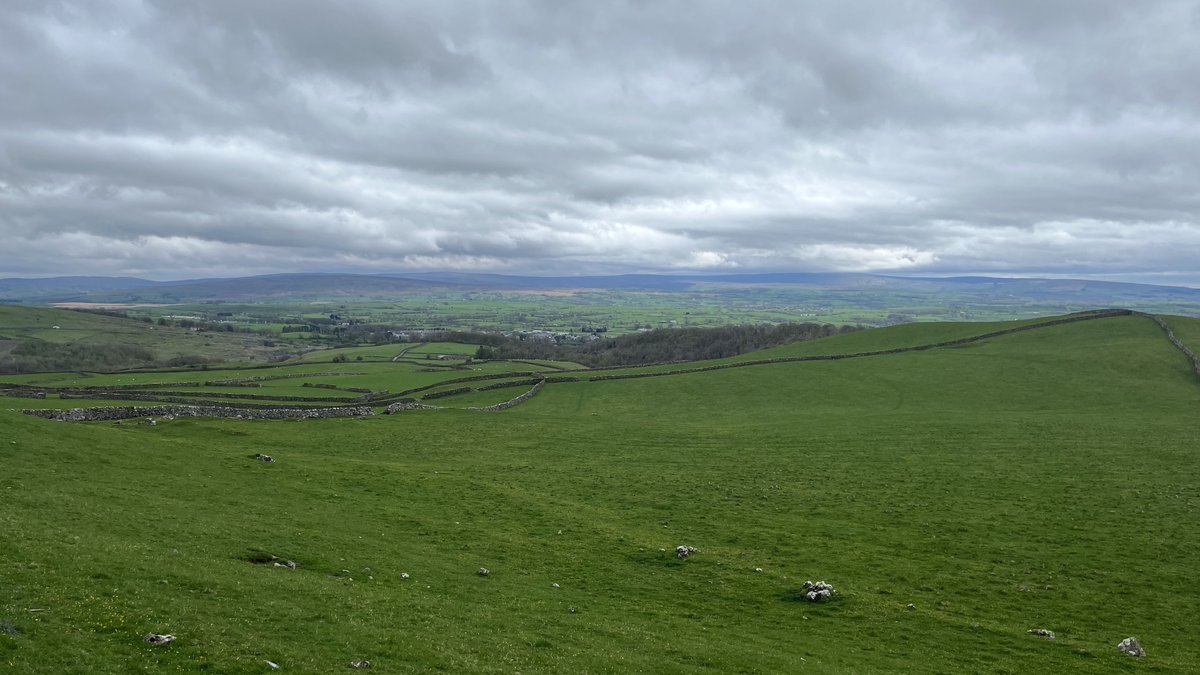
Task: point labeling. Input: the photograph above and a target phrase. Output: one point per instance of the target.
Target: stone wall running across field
(1083, 316)
(514, 401)
(1175, 341)
(102, 414)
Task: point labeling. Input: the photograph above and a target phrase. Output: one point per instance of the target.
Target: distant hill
(266, 288)
(878, 292)
(63, 288)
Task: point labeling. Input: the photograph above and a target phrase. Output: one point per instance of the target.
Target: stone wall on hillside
(1176, 341)
(102, 414)
(167, 396)
(409, 404)
(1087, 316)
(515, 401)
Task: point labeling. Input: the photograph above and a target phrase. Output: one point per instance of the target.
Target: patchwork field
(956, 497)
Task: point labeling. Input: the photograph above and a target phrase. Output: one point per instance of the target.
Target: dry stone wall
(1176, 341)
(1088, 316)
(225, 412)
(513, 402)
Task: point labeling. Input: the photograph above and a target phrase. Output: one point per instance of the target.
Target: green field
(64, 327)
(956, 498)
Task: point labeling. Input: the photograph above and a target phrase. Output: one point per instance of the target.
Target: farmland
(956, 497)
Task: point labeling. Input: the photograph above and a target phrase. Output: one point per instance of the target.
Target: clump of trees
(37, 356)
(663, 345)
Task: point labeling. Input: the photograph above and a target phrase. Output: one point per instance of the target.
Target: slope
(956, 498)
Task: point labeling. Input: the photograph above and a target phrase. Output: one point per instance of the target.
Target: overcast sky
(171, 139)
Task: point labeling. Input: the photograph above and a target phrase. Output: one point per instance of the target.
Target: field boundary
(513, 402)
(582, 375)
(1075, 318)
(110, 413)
(1191, 356)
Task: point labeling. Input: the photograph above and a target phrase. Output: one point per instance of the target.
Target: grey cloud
(203, 138)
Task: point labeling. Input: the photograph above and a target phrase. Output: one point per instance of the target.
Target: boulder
(818, 591)
(683, 552)
(1132, 647)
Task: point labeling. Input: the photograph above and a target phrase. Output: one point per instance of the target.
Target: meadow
(955, 497)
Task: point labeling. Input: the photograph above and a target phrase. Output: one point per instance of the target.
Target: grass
(65, 326)
(1187, 329)
(1044, 479)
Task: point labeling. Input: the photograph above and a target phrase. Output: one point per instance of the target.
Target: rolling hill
(956, 498)
(1016, 296)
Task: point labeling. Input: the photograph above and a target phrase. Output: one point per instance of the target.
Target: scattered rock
(483, 571)
(404, 575)
(159, 640)
(910, 607)
(151, 422)
(1132, 647)
(572, 610)
(1042, 632)
(554, 586)
(273, 665)
(758, 569)
(360, 665)
(682, 552)
(288, 564)
(818, 592)
(7, 628)
(266, 459)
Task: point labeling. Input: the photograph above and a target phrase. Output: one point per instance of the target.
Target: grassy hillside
(956, 498)
(60, 327)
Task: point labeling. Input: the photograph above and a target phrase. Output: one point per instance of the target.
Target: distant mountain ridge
(308, 286)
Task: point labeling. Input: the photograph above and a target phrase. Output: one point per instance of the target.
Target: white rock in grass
(159, 640)
(1132, 647)
(818, 592)
(483, 572)
(682, 552)
(1042, 632)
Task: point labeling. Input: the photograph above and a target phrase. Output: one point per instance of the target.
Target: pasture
(955, 497)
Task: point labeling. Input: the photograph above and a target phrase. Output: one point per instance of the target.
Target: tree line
(36, 356)
(663, 345)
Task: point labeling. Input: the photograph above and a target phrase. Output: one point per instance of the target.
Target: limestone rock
(1132, 647)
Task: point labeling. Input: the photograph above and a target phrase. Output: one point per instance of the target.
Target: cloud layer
(172, 139)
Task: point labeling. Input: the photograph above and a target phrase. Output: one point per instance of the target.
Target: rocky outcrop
(1133, 647)
(818, 591)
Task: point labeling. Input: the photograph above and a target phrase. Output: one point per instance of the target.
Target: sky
(173, 139)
